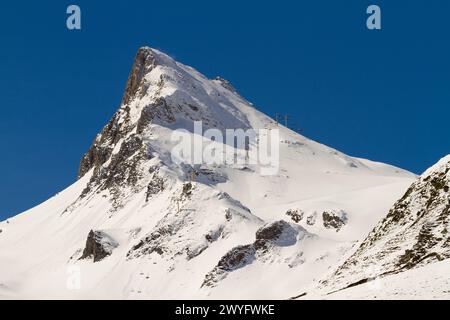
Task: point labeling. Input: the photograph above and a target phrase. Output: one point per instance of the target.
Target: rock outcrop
(276, 234)
(99, 245)
(295, 214)
(414, 232)
(334, 219)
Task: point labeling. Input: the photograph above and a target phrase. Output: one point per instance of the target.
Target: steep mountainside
(139, 223)
(413, 234)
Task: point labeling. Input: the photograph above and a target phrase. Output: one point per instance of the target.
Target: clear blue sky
(382, 95)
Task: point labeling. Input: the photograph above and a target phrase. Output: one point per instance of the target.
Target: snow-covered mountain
(414, 233)
(137, 224)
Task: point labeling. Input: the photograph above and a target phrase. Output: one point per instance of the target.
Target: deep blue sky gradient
(382, 95)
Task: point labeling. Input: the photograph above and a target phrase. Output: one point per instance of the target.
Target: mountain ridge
(138, 224)
(413, 234)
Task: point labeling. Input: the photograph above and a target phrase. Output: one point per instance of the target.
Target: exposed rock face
(119, 154)
(187, 190)
(144, 61)
(104, 143)
(279, 233)
(295, 214)
(331, 219)
(99, 245)
(158, 109)
(119, 126)
(155, 242)
(155, 186)
(118, 157)
(180, 232)
(334, 219)
(237, 258)
(415, 231)
(124, 168)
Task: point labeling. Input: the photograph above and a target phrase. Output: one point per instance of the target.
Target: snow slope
(412, 235)
(425, 283)
(177, 237)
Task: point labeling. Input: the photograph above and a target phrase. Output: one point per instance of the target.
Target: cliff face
(119, 126)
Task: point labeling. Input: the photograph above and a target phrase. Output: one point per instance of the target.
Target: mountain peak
(137, 208)
(144, 61)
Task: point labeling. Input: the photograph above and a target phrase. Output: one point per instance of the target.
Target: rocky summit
(140, 222)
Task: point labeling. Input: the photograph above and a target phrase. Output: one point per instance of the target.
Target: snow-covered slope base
(139, 225)
(414, 233)
(429, 282)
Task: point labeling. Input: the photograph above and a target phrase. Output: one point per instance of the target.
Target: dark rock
(228, 215)
(98, 246)
(279, 233)
(153, 243)
(237, 258)
(94, 157)
(144, 61)
(296, 215)
(334, 220)
(158, 109)
(426, 240)
(155, 186)
(187, 189)
(119, 126)
(122, 170)
(272, 231)
(415, 232)
(104, 143)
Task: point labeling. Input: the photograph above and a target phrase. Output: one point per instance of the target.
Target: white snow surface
(40, 248)
(430, 282)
